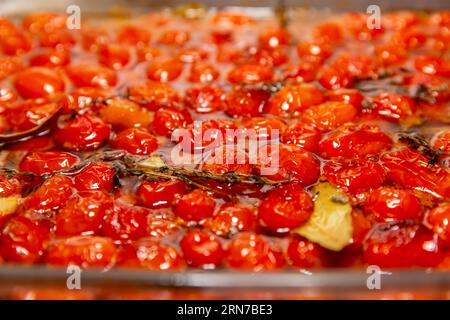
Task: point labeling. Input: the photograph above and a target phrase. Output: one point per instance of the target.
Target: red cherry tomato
(388, 204)
(355, 141)
(167, 119)
(82, 133)
(83, 214)
(205, 99)
(95, 176)
(355, 176)
(285, 208)
(114, 56)
(46, 162)
(201, 249)
(51, 58)
(231, 219)
(329, 115)
(125, 222)
(85, 75)
(160, 194)
(195, 206)
(23, 240)
(250, 74)
(38, 82)
(246, 102)
(439, 220)
(164, 70)
(303, 253)
(152, 95)
(249, 251)
(151, 255)
(303, 136)
(135, 141)
(83, 251)
(400, 246)
(51, 195)
(293, 99)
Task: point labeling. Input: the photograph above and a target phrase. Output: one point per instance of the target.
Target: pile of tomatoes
(339, 95)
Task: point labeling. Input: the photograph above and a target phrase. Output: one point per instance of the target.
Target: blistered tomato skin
(95, 176)
(201, 249)
(352, 142)
(168, 119)
(294, 98)
(439, 220)
(355, 176)
(51, 195)
(303, 136)
(231, 219)
(125, 222)
(160, 194)
(195, 206)
(400, 246)
(246, 102)
(135, 141)
(151, 255)
(249, 251)
(83, 214)
(82, 133)
(23, 240)
(45, 162)
(83, 251)
(285, 208)
(388, 204)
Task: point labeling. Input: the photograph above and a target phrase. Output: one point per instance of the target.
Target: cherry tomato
(303, 136)
(83, 251)
(356, 175)
(293, 99)
(399, 245)
(85, 75)
(388, 204)
(125, 222)
(46, 162)
(152, 95)
(114, 56)
(306, 254)
(151, 255)
(355, 141)
(160, 194)
(83, 214)
(195, 206)
(38, 82)
(164, 70)
(246, 102)
(95, 176)
(167, 119)
(231, 219)
(23, 240)
(82, 133)
(439, 220)
(285, 208)
(249, 251)
(205, 99)
(51, 195)
(203, 73)
(201, 249)
(329, 115)
(135, 141)
(250, 74)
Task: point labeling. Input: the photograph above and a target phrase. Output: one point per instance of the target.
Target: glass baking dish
(39, 282)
